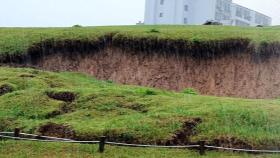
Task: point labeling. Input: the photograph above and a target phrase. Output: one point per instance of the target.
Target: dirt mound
(182, 136)
(57, 130)
(62, 96)
(5, 88)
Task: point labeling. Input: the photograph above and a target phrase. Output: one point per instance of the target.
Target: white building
(197, 12)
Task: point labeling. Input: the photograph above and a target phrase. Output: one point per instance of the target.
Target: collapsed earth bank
(230, 67)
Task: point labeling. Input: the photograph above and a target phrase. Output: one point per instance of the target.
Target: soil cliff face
(233, 74)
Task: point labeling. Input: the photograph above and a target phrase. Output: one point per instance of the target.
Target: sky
(61, 13)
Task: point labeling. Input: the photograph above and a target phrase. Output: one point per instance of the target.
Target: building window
(261, 19)
(160, 15)
(161, 2)
(247, 15)
(258, 19)
(227, 7)
(186, 8)
(238, 12)
(185, 20)
(223, 10)
(218, 16)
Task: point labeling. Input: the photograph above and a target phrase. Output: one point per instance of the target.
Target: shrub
(77, 26)
(150, 92)
(190, 91)
(147, 92)
(109, 81)
(195, 40)
(154, 31)
(212, 22)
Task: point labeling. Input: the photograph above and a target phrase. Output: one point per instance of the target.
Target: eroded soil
(234, 74)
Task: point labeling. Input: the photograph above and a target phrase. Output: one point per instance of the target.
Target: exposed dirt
(183, 136)
(236, 74)
(231, 142)
(57, 130)
(5, 88)
(62, 96)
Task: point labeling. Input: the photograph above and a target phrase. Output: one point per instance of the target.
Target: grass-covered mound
(198, 41)
(80, 107)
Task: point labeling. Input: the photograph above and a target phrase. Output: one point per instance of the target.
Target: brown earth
(183, 136)
(236, 74)
(62, 96)
(56, 130)
(231, 142)
(5, 88)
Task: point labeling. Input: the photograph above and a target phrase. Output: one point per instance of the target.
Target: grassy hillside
(20, 40)
(86, 108)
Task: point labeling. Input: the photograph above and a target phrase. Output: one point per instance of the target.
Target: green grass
(12, 149)
(134, 113)
(19, 40)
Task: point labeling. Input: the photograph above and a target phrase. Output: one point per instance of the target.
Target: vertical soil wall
(234, 74)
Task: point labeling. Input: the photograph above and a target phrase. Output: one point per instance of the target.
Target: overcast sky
(95, 12)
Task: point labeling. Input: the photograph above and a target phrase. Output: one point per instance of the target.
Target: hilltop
(17, 41)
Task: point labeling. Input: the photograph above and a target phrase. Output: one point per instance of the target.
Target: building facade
(197, 12)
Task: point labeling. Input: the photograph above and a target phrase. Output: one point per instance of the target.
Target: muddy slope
(236, 74)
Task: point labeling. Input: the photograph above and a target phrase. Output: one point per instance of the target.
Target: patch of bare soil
(57, 130)
(5, 88)
(62, 96)
(183, 136)
(231, 142)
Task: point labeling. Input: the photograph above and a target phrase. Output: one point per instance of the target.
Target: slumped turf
(18, 41)
(131, 113)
